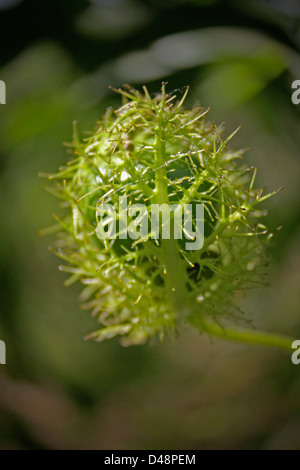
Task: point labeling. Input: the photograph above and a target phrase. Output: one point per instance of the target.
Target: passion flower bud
(161, 222)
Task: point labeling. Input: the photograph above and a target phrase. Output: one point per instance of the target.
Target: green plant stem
(240, 335)
(173, 279)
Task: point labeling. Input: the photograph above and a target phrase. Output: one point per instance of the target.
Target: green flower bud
(153, 153)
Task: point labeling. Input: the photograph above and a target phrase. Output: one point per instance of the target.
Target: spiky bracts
(152, 151)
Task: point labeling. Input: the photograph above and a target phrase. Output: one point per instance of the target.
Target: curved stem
(240, 335)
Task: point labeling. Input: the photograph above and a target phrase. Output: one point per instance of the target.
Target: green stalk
(175, 282)
(240, 335)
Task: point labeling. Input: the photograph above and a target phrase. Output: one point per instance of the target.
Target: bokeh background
(58, 59)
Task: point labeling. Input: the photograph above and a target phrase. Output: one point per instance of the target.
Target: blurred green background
(57, 60)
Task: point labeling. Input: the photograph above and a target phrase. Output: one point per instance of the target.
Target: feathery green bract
(151, 150)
